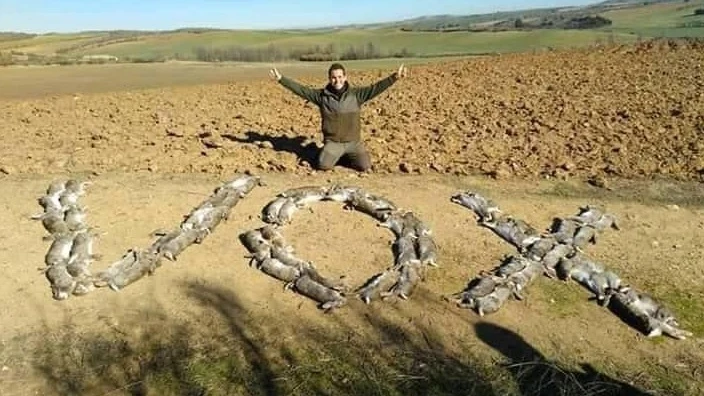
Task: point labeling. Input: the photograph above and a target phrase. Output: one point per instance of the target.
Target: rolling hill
(428, 36)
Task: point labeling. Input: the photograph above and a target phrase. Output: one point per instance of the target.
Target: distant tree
(518, 23)
(587, 22)
(350, 54)
(5, 58)
(370, 51)
(404, 53)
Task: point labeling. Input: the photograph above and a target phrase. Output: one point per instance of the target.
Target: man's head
(337, 76)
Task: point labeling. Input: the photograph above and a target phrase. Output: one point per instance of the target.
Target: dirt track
(621, 111)
(491, 109)
(210, 290)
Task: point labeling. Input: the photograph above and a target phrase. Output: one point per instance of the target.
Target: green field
(400, 39)
(384, 40)
(659, 20)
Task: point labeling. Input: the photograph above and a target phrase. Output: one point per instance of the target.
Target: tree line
(273, 53)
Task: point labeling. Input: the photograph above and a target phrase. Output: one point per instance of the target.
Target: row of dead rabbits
(558, 254)
(70, 255)
(414, 248)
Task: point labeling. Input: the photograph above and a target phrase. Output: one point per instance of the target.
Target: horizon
(73, 16)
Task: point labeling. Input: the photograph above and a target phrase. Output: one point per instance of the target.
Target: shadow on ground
(306, 150)
(307, 153)
(536, 375)
(233, 351)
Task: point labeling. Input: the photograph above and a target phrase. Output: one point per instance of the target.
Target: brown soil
(154, 155)
(623, 111)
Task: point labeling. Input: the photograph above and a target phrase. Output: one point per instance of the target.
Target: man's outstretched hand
(401, 71)
(275, 74)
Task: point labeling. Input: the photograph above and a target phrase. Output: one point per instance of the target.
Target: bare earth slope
(222, 306)
(622, 111)
(209, 324)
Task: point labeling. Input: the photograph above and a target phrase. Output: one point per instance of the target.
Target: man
(340, 107)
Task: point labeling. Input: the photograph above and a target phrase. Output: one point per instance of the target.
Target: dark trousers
(354, 151)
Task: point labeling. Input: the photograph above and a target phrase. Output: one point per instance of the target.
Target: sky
(62, 16)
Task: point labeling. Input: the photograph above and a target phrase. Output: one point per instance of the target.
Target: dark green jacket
(339, 112)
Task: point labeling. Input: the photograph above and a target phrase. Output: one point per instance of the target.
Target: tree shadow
(534, 374)
(75, 363)
(317, 361)
(242, 329)
(229, 348)
(233, 350)
(306, 153)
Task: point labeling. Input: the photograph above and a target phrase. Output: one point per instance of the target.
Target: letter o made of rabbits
(414, 248)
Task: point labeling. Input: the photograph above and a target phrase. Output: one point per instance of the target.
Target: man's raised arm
(368, 93)
(312, 95)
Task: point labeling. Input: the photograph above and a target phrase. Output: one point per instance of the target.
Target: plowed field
(630, 119)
